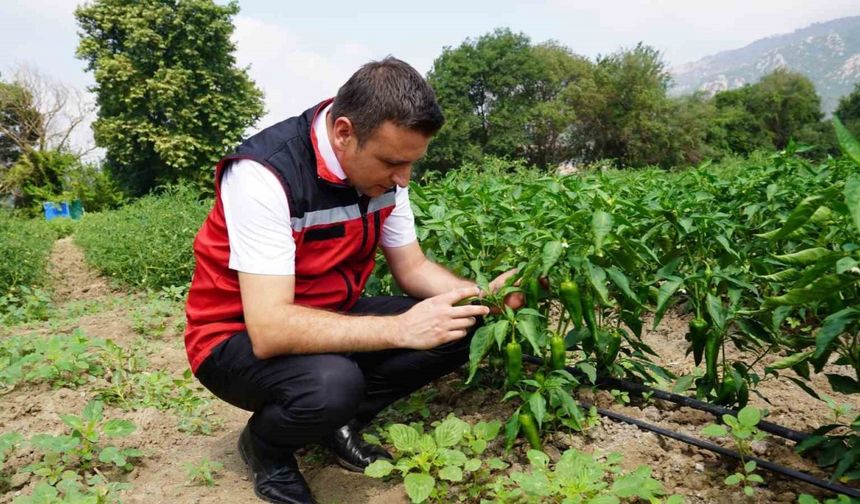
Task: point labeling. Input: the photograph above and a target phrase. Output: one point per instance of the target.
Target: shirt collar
(323, 144)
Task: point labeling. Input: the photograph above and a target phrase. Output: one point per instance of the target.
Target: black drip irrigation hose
(770, 466)
(716, 410)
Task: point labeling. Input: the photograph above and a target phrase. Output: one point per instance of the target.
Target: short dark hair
(388, 90)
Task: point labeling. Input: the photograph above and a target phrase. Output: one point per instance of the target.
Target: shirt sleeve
(399, 227)
(258, 220)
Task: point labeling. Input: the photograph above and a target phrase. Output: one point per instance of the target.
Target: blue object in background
(53, 210)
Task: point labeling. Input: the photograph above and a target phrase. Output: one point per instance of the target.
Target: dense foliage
(147, 243)
(24, 245)
(505, 96)
(171, 99)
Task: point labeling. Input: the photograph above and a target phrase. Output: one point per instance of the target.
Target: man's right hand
(436, 321)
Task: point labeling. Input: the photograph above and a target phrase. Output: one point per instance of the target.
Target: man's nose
(401, 176)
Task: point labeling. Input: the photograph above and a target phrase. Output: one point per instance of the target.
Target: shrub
(148, 243)
(24, 246)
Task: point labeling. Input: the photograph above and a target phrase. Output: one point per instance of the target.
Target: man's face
(385, 159)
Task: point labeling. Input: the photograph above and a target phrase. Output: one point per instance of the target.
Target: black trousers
(299, 399)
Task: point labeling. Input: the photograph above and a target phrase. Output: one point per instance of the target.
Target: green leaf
(118, 428)
(526, 327)
(549, 256)
(804, 257)
(93, 411)
(822, 287)
(379, 469)
(501, 332)
(847, 142)
(834, 325)
(755, 478)
(716, 311)
(597, 278)
(450, 432)
(472, 465)
(601, 225)
(589, 370)
(480, 345)
(418, 486)
(112, 455)
(537, 458)
(667, 290)
(788, 275)
(487, 430)
(405, 438)
(537, 405)
(622, 283)
(790, 361)
(846, 264)
(451, 473)
(74, 422)
(750, 466)
(749, 491)
(714, 430)
(852, 198)
(843, 384)
(497, 464)
(734, 479)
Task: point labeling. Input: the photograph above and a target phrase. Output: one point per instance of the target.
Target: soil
(161, 475)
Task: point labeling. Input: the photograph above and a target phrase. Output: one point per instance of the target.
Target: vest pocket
(326, 233)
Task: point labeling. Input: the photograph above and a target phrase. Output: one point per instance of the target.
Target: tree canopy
(171, 99)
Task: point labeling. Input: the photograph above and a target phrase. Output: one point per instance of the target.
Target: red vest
(336, 231)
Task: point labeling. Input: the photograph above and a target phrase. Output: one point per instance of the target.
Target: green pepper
(531, 290)
(514, 357)
(712, 353)
(698, 336)
(527, 424)
(569, 293)
(588, 310)
(606, 345)
(557, 352)
(743, 394)
(727, 390)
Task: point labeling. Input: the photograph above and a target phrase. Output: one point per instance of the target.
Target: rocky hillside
(828, 53)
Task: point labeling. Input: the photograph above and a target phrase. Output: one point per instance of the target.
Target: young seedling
(428, 462)
(743, 431)
(203, 473)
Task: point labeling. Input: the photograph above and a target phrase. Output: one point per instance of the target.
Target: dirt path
(86, 303)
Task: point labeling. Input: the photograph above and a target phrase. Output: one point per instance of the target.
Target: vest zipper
(363, 203)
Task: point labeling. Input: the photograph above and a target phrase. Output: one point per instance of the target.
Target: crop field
(649, 293)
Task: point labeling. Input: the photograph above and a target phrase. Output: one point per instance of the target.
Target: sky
(301, 52)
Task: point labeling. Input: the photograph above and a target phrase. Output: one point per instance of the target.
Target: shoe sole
(260, 496)
(350, 467)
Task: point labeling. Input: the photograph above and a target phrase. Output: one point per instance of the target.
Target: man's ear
(343, 133)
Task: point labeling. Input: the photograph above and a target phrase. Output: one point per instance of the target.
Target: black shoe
(276, 478)
(352, 452)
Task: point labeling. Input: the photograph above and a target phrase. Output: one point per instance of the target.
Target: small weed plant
(430, 462)
(579, 477)
(61, 360)
(743, 431)
(203, 473)
(73, 466)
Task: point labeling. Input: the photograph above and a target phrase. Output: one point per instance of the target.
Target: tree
(38, 117)
(624, 113)
(171, 99)
(848, 110)
(785, 102)
(502, 97)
